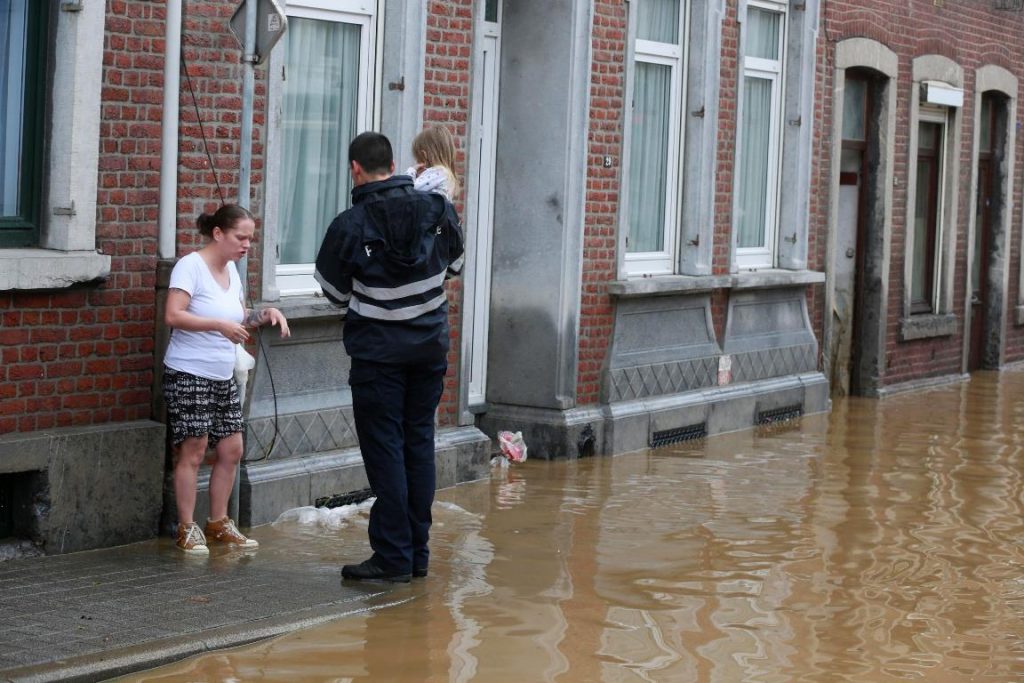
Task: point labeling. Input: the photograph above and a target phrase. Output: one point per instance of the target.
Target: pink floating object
(512, 446)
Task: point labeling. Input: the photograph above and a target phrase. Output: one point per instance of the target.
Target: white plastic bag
(512, 446)
(244, 362)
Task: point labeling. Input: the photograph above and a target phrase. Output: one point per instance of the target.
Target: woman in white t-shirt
(206, 310)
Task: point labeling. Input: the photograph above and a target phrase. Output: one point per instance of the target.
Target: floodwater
(883, 542)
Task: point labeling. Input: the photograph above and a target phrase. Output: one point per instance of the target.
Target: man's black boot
(368, 570)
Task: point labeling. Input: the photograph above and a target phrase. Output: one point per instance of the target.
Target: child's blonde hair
(435, 146)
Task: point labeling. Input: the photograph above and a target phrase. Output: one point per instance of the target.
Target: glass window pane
(320, 116)
(919, 286)
(763, 31)
(491, 11)
(986, 123)
(755, 127)
(928, 136)
(658, 20)
(649, 149)
(13, 45)
(855, 109)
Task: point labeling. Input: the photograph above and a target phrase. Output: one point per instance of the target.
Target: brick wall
(607, 83)
(600, 237)
(84, 356)
(446, 97)
(212, 65)
(971, 34)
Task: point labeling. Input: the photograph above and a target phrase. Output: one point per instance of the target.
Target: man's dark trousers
(394, 408)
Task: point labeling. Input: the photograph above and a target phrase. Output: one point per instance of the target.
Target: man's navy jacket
(384, 262)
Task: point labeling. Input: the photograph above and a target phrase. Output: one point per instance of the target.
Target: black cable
(273, 392)
(202, 131)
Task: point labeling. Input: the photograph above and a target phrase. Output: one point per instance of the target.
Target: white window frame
(673, 55)
(67, 251)
(938, 115)
(297, 279)
(773, 70)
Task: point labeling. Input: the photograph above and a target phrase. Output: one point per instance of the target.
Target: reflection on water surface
(883, 542)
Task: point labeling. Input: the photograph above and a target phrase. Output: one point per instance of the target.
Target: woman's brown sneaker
(225, 531)
(191, 539)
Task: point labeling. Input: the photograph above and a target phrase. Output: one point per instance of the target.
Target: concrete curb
(121, 661)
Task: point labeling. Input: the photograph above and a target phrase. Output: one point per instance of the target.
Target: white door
(480, 199)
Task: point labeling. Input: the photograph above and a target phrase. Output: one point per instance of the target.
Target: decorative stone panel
(301, 434)
(768, 334)
(778, 362)
(661, 345)
(663, 378)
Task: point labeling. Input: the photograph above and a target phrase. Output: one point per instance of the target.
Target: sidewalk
(94, 615)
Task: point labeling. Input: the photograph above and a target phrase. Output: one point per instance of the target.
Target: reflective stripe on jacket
(384, 262)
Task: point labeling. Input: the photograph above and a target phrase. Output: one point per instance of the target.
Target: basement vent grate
(777, 415)
(352, 498)
(679, 434)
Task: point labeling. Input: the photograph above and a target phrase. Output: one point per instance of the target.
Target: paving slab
(98, 614)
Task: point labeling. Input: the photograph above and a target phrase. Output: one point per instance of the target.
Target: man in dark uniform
(384, 262)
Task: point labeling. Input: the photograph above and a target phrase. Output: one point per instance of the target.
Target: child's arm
(433, 179)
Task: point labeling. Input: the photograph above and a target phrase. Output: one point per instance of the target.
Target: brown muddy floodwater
(883, 542)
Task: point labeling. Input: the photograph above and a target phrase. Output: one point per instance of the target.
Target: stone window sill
(770, 278)
(304, 307)
(927, 326)
(665, 285)
(35, 269)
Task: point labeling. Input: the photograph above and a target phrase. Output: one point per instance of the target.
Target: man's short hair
(373, 152)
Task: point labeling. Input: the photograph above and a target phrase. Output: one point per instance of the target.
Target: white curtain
(648, 163)
(658, 20)
(762, 39)
(12, 94)
(755, 129)
(320, 117)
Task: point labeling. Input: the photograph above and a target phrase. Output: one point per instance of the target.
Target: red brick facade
(446, 96)
(972, 35)
(600, 245)
(85, 355)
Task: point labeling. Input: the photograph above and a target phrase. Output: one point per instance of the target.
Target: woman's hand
(234, 332)
(276, 317)
(257, 318)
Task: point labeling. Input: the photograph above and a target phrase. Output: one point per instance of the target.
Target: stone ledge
(927, 326)
(30, 269)
(776, 277)
(920, 385)
(664, 285)
(304, 307)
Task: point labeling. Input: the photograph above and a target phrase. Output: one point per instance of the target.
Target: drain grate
(777, 415)
(670, 436)
(336, 501)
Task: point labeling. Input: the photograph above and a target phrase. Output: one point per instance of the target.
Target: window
(759, 131)
(926, 257)
(22, 47)
(327, 99)
(654, 187)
